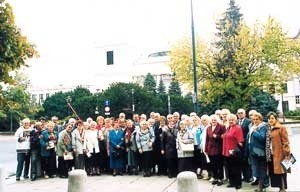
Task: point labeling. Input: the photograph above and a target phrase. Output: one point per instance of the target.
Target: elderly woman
(232, 142)
(278, 149)
(116, 144)
(144, 139)
(131, 148)
(256, 144)
(91, 148)
(23, 148)
(213, 148)
(168, 147)
(48, 143)
(64, 150)
(78, 144)
(185, 154)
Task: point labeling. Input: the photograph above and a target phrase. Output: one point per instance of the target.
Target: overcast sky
(66, 32)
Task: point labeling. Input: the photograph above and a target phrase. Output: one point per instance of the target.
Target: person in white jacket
(22, 136)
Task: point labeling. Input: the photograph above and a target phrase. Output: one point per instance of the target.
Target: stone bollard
(187, 182)
(2, 179)
(77, 181)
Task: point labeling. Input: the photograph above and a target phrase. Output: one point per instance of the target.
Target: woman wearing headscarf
(277, 149)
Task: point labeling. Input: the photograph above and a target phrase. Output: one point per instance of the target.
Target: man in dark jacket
(244, 123)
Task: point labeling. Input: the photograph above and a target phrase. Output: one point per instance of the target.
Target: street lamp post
(11, 121)
(132, 97)
(194, 59)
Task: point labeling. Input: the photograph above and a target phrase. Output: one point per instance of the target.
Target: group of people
(229, 147)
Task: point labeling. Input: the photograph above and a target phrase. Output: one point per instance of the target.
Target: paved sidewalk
(108, 183)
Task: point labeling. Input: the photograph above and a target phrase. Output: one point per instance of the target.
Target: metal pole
(169, 104)
(11, 123)
(194, 59)
(132, 93)
(283, 118)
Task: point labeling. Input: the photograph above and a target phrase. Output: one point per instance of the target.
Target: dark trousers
(35, 163)
(172, 167)
(159, 161)
(49, 163)
(23, 158)
(79, 161)
(246, 169)
(234, 170)
(216, 165)
(146, 160)
(62, 167)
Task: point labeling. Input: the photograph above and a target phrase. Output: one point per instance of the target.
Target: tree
(161, 87)
(17, 103)
(14, 47)
(150, 83)
(174, 88)
(241, 60)
(263, 102)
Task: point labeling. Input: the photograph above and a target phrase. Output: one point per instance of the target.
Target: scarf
(268, 145)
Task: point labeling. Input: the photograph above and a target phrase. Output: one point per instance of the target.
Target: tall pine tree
(161, 87)
(150, 83)
(174, 87)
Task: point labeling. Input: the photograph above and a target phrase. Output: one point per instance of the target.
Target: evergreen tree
(161, 87)
(150, 83)
(174, 88)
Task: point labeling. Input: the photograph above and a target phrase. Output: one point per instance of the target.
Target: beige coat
(280, 146)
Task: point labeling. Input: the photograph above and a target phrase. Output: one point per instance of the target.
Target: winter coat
(168, 143)
(280, 146)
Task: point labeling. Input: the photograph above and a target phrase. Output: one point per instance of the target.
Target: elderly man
(244, 122)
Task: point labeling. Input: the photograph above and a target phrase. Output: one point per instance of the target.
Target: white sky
(66, 32)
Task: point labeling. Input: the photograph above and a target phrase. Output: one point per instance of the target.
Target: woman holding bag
(185, 148)
(277, 149)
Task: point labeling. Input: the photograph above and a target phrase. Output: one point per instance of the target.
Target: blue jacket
(256, 141)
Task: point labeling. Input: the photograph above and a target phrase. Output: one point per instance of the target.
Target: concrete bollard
(2, 179)
(187, 182)
(77, 181)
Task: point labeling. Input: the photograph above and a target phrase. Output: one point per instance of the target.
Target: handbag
(68, 156)
(187, 147)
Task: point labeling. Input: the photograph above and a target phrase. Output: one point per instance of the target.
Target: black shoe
(33, 178)
(238, 187)
(26, 177)
(52, 176)
(255, 182)
(229, 185)
(17, 178)
(214, 182)
(114, 173)
(220, 183)
(249, 180)
(63, 176)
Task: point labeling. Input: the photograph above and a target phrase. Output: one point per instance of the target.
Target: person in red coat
(232, 143)
(213, 148)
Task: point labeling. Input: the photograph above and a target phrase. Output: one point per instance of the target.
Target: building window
(110, 57)
(297, 99)
(41, 99)
(47, 95)
(284, 87)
